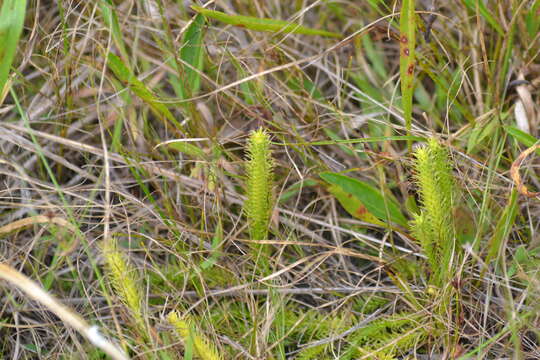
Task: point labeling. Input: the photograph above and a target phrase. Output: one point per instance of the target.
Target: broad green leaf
(382, 207)
(124, 74)
(191, 53)
(262, 24)
(407, 44)
(353, 205)
(11, 25)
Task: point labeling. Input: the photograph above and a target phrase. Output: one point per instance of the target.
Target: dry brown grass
(84, 158)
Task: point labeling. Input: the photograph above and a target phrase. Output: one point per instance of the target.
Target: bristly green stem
(259, 170)
(434, 227)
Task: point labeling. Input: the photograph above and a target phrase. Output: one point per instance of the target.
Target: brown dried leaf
(514, 172)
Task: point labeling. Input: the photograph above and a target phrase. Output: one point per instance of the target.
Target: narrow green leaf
(11, 25)
(477, 5)
(191, 53)
(532, 20)
(526, 139)
(248, 89)
(124, 74)
(262, 24)
(504, 225)
(380, 206)
(215, 253)
(372, 139)
(332, 135)
(407, 44)
(480, 133)
(188, 149)
(111, 20)
(295, 189)
(306, 86)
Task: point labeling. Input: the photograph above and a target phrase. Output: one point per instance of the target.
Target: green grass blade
(526, 139)
(111, 20)
(407, 43)
(532, 20)
(262, 24)
(504, 225)
(189, 149)
(124, 74)
(191, 53)
(372, 139)
(11, 26)
(477, 5)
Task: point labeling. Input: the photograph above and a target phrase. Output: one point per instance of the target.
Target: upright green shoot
(407, 43)
(12, 15)
(122, 277)
(259, 169)
(434, 227)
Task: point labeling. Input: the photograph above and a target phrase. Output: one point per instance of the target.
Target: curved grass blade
(124, 74)
(262, 24)
(407, 43)
(11, 25)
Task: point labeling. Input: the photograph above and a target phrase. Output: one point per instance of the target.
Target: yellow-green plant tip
(204, 349)
(179, 325)
(123, 280)
(259, 169)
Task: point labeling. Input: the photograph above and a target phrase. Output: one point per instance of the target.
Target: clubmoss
(434, 227)
(202, 347)
(259, 168)
(123, 278)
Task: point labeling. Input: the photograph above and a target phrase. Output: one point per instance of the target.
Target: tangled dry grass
(89, 156)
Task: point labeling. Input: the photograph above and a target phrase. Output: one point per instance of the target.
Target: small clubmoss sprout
(434, 227)
(259, 169)
(123, 277)
(203, 348)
